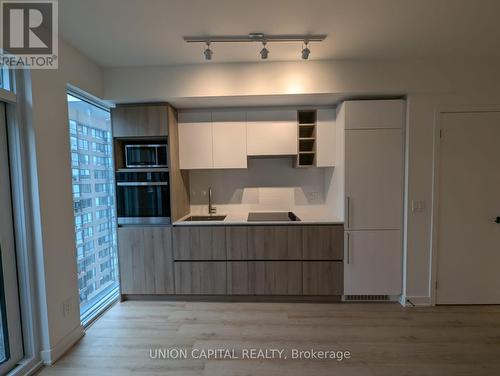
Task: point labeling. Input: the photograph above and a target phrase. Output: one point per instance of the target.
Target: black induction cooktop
(272, 217)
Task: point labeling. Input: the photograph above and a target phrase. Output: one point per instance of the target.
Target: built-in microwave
(142, 197)
(146, 155)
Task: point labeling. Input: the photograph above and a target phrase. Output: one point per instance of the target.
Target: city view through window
(93, 202)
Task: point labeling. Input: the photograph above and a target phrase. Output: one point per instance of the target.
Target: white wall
(311, 77)
(267, 184)
(428, 84)
(53, 207)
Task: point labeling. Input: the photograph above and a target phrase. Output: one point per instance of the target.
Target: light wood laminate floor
(384, 339)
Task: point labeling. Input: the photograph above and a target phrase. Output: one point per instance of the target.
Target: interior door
(11, 346)
(469, 202)
(374, 179)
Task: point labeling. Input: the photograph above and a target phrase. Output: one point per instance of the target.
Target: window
(101, 174)
(5, 79)
(103, 201)
(93, 200)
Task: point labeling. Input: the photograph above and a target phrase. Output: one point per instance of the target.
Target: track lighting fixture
(208, 52)
(264, 52)
(306, 51)
(259, 38)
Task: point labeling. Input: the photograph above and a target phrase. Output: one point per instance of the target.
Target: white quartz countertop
(242, 219)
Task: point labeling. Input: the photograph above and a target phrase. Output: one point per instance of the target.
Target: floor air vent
(366, 298)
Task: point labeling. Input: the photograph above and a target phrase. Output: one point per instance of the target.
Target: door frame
(438, 119)
(10, 294)
(23, 182)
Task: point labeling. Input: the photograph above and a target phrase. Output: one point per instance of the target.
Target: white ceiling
(117, 33)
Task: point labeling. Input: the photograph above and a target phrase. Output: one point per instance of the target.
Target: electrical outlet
(312, 196)
(66, 307)
(417, 206)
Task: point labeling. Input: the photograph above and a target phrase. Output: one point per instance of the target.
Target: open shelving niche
(306, 125)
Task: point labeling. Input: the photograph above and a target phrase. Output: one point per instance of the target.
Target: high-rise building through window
(93, 203)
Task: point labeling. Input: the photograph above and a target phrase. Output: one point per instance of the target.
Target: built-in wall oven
(143, 197)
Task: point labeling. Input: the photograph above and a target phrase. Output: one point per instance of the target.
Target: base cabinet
(232, 260)
(200, 278)
(274, 242)
(237, 278)
(199, 243)
(275, 278)
(145, 260)
(322, 242)
(373, 263)
(322, 277)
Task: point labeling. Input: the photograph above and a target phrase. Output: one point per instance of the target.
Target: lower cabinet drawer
(274, 277)
(322, 277)
(200, 277)
(237, 278)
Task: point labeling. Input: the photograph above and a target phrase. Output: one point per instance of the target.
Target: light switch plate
(417, 206)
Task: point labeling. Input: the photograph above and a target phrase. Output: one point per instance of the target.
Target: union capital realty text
(247, 353)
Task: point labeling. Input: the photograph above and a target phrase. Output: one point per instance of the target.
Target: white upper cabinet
(271, 132)
(229, 139)
(195, 140)
(374, 114)
(325, 137)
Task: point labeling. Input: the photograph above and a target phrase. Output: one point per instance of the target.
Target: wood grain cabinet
(140, 120)
(237, 242)
(199, 243)
(274, 243)
(145, 260)
(322, 277)
(275, 277)
(237, 278)
(322, 242)
(200, 278)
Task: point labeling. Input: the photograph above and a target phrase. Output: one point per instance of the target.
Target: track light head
(306, 51)
(264, 53)
(208, 52)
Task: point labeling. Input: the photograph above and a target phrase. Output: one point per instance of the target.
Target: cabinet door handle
(348, 211)
(348, 248)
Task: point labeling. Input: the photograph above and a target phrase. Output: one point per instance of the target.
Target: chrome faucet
(211, 209)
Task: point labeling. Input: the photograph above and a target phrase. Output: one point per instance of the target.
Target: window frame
(114, 295)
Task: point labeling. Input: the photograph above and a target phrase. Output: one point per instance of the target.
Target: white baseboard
(417, 301)
(51, 355)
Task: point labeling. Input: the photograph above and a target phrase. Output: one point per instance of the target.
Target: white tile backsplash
(267, 184)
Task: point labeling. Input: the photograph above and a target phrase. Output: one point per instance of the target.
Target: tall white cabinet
(373, 196)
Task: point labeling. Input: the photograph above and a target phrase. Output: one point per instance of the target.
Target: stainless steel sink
(205, 218)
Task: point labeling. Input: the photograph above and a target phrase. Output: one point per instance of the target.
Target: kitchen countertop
(242, 219)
